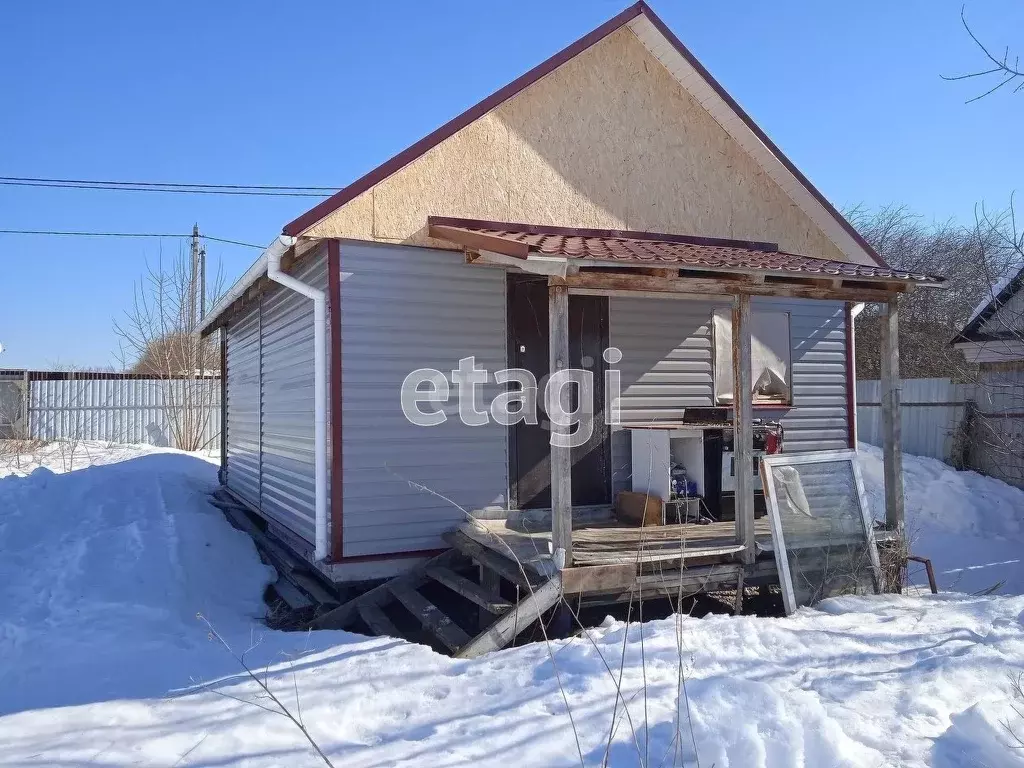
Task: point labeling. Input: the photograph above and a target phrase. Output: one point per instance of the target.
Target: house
(994, 335)
(612, 211)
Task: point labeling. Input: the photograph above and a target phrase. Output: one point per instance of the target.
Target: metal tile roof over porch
(653, 249)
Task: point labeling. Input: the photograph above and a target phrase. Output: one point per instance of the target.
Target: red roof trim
(403, 158)
(381, 172)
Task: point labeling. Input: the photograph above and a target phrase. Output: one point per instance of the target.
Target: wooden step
(503, 566)
(376, 621)
(472, 592)
(311, 585)
(430, 616)
(338, 617)
(505, 629)
(293, 597)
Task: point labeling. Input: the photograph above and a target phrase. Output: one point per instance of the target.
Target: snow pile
(103, 662)
(969, 525)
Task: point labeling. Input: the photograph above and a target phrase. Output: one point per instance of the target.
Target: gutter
(319, 297)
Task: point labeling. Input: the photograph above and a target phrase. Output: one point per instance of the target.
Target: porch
(586, 549)
(612, 561)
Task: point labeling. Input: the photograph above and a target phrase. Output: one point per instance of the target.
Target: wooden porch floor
(608, 542)
(611, 543)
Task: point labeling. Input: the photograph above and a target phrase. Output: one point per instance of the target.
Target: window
(769, 357)
(822, 531)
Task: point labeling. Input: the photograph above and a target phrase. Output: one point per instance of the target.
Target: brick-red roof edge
(320, 211)
(652, 248)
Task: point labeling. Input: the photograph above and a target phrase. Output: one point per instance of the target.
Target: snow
(969, 525)
(104, 662)
(992, 294)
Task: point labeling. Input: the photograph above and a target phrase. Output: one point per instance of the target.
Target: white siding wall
(288, 468)
(243, 406)
(404, 308)
(270, 460)
(818, 419)
(668, 364)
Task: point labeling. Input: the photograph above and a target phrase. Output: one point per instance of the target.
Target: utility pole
(193, 281)
(202, 283)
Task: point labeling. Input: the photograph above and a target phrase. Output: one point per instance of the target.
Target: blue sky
(320, 93)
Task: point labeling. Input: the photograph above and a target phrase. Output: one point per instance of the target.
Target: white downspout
(319, 297)
(855, 311)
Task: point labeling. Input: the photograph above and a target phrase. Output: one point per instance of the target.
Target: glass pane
(823, 530)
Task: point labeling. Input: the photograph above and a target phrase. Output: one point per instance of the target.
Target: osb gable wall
(608, 140)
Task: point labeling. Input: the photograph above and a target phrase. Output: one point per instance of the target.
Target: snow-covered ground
(104, 661)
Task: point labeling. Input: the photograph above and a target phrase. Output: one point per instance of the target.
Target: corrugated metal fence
(119, 408)
(978, 425)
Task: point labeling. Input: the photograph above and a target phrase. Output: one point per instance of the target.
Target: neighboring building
(615, 195)
(994, 336)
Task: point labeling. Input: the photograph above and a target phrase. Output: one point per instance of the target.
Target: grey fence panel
(938, 422)
(930, 411)
(124, 410)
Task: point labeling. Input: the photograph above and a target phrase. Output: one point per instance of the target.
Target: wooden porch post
(891, 427)
(561, 457)
(743, 414)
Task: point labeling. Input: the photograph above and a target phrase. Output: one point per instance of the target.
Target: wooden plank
(690, 285)
(533, 551)
(892, 455)
(312, 587)
(430, 616)
(743, 414)
(293, 597)
(598, 578)
(506, 568)
(561, 452)
(504, 630)
(490, 583)
(338, 617)
(374, 618)
(472, 592)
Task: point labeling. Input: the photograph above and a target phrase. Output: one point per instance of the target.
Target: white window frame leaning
(778, 539)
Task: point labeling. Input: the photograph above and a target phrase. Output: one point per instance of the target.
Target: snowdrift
(103, 661)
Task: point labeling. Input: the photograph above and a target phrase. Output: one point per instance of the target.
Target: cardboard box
(640, 509)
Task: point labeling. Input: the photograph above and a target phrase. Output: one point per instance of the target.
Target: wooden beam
(892, 455)
(598, 578)
(479, 241)
(633, 282)
(561, 455)
(743, 414)
(555, 266)
(504, 630)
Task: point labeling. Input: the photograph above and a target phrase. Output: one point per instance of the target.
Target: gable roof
(1000, 294)
(690, 73)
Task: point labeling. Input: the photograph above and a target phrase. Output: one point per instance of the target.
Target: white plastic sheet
(770, 353)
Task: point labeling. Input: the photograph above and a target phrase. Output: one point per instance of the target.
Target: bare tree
(972, 259)
(159, 337)
(1005, 69)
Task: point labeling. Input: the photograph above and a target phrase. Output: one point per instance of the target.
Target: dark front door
(529, 449)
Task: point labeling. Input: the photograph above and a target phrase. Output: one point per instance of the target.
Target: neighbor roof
(651, 249)
(689, 72)
(1001, 293)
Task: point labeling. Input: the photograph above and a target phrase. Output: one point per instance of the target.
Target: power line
(168, 184)
(60, 233)
(156, 188)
